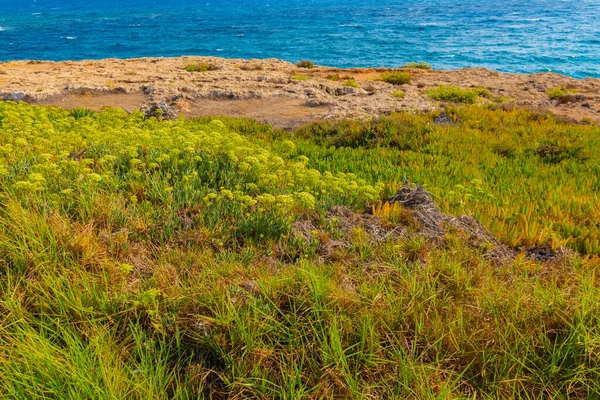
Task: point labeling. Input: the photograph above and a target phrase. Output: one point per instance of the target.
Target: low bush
(396, 77)
(418, 65)
(199, 67)
(351, 83)
(299, 77)
(399, 94)
(558, 92)
(305, 64)
(453, 94)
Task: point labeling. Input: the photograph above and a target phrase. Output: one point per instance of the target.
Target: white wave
(71, 37)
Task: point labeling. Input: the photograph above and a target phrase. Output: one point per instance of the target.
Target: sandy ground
(270, 91)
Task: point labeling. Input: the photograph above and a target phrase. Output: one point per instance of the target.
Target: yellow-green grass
(199, 67)
(351, 83)
(455, 94)
(417, 65)
(399, 94)
(558, 92)
(154, 259)
(396, 77)
(299, 77)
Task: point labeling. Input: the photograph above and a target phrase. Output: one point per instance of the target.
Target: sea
(521, 36)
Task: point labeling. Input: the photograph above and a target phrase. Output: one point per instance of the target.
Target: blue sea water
(507, 35)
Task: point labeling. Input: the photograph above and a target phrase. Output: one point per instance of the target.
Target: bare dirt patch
(276, 91)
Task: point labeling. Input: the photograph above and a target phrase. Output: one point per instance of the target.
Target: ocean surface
(507, 35)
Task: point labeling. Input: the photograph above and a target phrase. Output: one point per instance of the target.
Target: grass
(557, 93)
(299, 77)
(417, 65)
(396, 77)
(399, 94)
(199, 67)
(199, 259)
(305, 64)
(351, 83)
(455, 94)
(81, 113)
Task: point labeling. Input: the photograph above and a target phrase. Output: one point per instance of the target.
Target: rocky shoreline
(276, 91)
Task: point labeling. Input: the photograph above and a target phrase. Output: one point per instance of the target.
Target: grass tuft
(455, 94)
(396, 77)
(399, 94)
(351, 83)
(200, 67)
(305, 64)
(417, 65)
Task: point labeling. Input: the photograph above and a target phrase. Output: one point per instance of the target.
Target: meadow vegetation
(222, 258)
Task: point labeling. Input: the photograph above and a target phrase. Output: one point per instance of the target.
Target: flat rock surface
(275, 91)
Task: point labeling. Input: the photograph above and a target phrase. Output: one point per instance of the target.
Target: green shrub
(453, 94)
(199, 67)
(299, 77)
(305, 64)
(399, 94)
(482, 92)
(396, 77)
(351, 83)
(399, 131)
(418, 65)
(333, 77)
(554, 152)
(557, 93)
